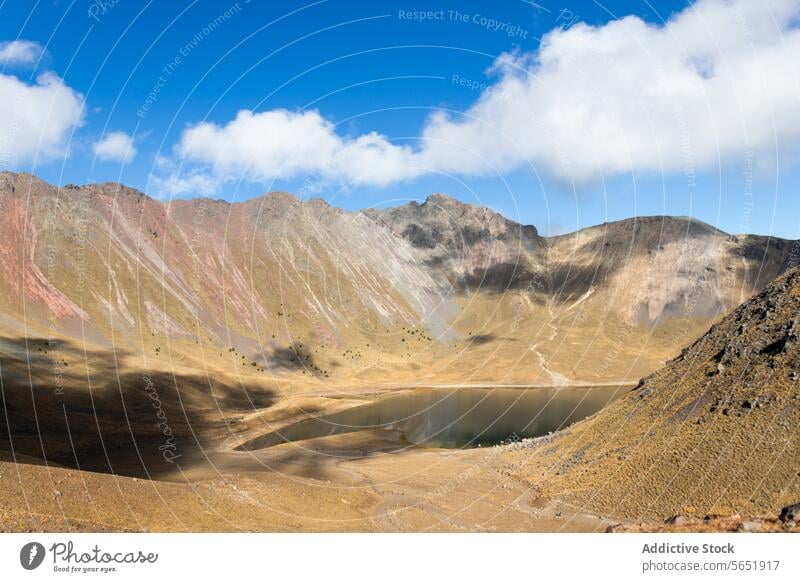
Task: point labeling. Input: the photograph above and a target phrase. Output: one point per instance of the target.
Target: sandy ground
(365, 481)
(361, 481)
(103, 436)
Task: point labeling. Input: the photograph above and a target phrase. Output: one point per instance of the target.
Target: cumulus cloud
(116, 146)
(717, 80)
(284, 144)
(37, 118)
(20, 52)
(194, 183)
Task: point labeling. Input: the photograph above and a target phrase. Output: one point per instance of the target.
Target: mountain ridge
(441, 198)
(274, 273)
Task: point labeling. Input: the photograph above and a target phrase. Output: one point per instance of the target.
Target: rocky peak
(113, 189)
(441, 214)
(22, 182)
(279, 198)
(275, 203)
(442, 200)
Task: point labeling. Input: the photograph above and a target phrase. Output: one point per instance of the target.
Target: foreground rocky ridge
(714, 432)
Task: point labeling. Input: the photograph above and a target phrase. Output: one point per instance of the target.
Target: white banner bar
(401, 557)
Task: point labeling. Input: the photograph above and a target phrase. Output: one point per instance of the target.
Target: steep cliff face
(712, 432)
(439, 291)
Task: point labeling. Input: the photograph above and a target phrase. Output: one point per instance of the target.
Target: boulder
(790, 513)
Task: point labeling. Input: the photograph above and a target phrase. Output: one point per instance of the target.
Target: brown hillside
(715, 431)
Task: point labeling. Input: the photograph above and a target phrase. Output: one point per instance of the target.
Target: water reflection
(457, 417)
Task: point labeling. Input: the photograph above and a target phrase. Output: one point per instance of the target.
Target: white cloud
(194, 184)
(116, 146)
(720, 78)
(37, 118)
(717, 80)
(20, 52)
(283, 144)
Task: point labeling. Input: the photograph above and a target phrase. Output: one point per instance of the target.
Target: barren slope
(713, 432)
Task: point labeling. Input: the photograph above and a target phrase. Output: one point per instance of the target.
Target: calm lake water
(457, 417)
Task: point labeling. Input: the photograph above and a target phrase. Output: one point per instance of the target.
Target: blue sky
(149, 72)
